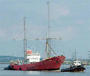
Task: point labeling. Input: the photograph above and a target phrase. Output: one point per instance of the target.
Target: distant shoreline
(7, 59)
(4, 63)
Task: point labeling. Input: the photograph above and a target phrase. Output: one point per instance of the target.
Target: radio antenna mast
(25, 39)
(47, 39)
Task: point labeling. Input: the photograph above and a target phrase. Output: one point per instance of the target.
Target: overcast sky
(69, 19)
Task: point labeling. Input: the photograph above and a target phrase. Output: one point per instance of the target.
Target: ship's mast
(25, 39)
(47, 39)
(75, 55)
(48, 3)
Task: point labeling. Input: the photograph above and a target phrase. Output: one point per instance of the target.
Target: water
(41, 73)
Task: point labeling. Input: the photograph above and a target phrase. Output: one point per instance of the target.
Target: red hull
(53, 63)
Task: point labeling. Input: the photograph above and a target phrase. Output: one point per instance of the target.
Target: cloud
(32, 32)
(10, 32)
(80, 22)
(57, 10)
(36, 31)
(66, 33)
(2, 33)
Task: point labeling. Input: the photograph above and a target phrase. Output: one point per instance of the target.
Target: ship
(32, 60)
(52, 63)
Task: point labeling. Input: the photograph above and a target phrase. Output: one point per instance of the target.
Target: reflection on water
(32, 72)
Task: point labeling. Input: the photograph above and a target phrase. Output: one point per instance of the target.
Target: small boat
(75, 67)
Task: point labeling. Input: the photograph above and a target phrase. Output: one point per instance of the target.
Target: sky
(69, 20)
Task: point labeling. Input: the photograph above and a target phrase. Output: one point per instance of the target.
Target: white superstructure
(32, 57)
(77, 63)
